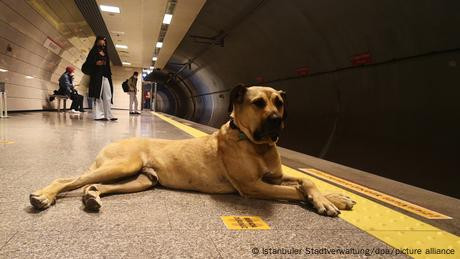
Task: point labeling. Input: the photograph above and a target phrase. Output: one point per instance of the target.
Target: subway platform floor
(38, 147)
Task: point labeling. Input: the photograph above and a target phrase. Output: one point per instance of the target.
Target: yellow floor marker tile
(392, 227)
(244, 222)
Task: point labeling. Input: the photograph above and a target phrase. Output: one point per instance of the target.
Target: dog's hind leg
(91, 194)
(109, 171)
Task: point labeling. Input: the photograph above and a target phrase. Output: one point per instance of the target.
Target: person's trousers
(77, 102)
(90, 102)
(132, 102)
(102, 104)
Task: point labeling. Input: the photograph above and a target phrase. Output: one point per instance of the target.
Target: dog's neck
(241, 136)
(259, 148)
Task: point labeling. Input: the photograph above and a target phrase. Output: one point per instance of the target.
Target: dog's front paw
(323, 206)
(341, 201)
(41, 201)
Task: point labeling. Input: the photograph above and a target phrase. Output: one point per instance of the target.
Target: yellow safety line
(405, 205)
(191, 131)
(414, 237)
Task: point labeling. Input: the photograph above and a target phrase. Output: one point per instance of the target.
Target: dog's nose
(274, 121)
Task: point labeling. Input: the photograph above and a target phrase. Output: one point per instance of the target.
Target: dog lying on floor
(240, 157)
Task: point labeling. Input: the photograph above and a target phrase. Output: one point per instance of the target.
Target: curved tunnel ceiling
(365, 80)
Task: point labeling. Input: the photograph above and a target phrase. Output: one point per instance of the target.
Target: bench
(59, 98)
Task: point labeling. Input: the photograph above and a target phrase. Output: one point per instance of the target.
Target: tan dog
(240, 157)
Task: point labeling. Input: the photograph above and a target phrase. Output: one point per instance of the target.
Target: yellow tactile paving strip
(416, 238)
(405, 205)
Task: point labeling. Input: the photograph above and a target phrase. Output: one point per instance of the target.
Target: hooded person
(66, 87)
(97, 66)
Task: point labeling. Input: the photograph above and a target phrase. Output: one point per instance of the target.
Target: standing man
(132, 91)
(66, 88)
(97, 66)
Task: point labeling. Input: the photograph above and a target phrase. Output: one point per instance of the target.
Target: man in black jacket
(66, 88)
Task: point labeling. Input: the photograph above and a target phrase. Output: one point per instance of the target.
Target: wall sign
(260, 79)
(361, 59)
(302, 71)
(52, 45)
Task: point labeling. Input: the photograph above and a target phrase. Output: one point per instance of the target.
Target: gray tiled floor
(155, 223)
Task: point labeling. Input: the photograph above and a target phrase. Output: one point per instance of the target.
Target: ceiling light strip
(170, 6)
(109, 8)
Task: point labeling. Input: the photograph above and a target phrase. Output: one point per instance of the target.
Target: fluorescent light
(3, 70)
(154, 59)
(109, 8)
(29, 77)
(126, 63)
(159, 44)
(121, 46)
(167, 19)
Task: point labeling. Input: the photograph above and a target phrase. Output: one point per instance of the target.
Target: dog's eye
(259, 103)
(278, 103)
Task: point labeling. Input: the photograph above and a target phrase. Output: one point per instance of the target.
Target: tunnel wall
(395, 116)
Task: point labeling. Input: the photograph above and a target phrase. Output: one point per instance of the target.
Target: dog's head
(259, 112)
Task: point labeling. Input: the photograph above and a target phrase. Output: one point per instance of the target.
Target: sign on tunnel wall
(260, 79)
(361, 59)
(302, 71)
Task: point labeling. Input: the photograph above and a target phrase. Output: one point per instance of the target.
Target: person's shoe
(131, 112)
(81, 110)
(101, 119)
(74, 111)
(137, 113)
(113, 119)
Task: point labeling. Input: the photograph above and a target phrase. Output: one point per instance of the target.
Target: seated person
(66, 88)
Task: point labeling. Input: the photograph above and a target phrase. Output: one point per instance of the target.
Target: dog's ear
(283, 95)
(237, 95)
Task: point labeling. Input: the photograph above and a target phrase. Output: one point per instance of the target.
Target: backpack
(125, 86)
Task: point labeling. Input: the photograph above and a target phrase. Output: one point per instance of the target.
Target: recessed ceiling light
(121, 46)
(109, 8)
(159, 44)
(126, 63)
(29, 77)
(154, 59)
(3, 70)
(167, 19)
(152, 68)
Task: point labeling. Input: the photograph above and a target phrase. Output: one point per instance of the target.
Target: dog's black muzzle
(271, 128)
